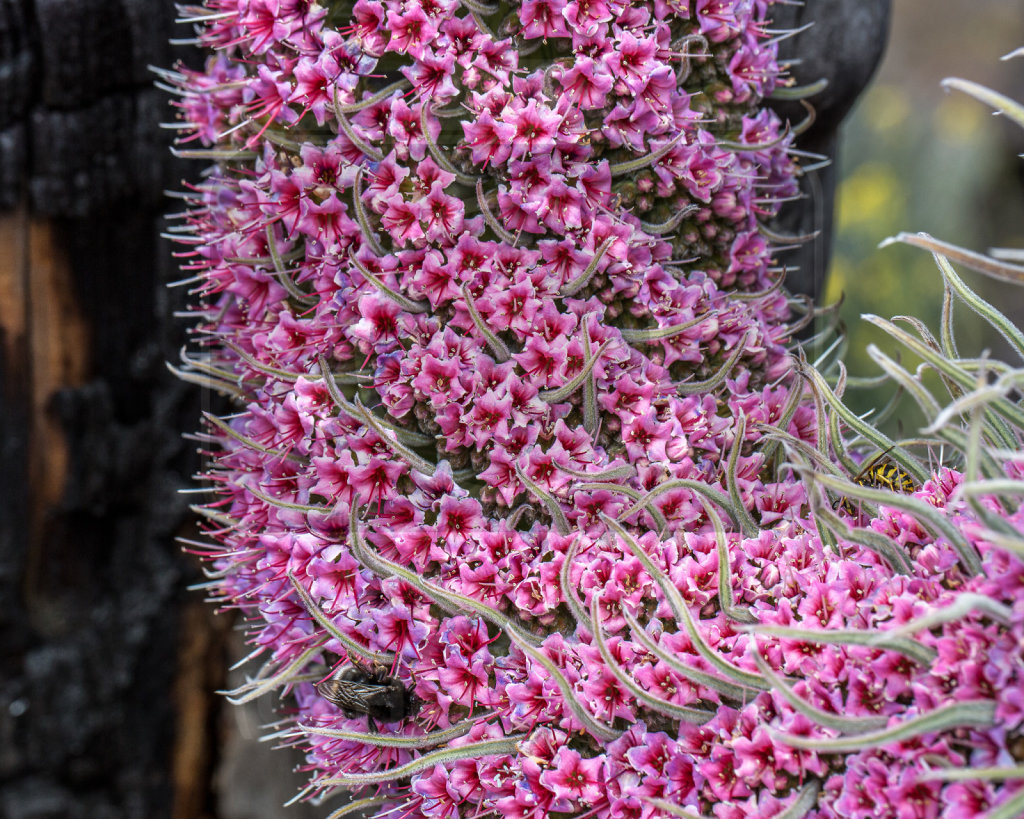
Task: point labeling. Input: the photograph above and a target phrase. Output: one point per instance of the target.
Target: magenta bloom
(515, 397)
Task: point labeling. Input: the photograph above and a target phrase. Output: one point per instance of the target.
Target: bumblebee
(879, 473)
(359, 689)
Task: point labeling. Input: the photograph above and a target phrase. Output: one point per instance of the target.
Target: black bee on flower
(361, 689)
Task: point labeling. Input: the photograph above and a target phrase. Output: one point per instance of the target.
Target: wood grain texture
(90, 577)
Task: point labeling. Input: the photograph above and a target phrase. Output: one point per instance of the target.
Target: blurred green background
(914, 158)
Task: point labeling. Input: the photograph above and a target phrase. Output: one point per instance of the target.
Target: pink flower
(588, 81)
(574, 778)
(470, 316)
(411, 31)
(535, 129)
(490, 139)
(543, 18)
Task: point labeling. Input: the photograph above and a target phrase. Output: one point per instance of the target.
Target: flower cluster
(489, 288)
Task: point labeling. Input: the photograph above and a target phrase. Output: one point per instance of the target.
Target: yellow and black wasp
(879, 473)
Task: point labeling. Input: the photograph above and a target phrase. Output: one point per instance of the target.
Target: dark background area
(108, 665)
(916, 158)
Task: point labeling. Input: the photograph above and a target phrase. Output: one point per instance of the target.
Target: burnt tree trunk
(108, 665)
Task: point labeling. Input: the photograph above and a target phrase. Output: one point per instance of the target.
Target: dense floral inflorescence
(490, 289)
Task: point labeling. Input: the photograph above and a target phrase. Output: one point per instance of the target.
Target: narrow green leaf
(793, 400)
(946, 327)
(682, 612)
(922, 330)
(483, 9)
(1010, 108)
(725, 596)
(277, 503)
(248, 442)
(886, 548)
(628, 491)
(556, 396)
(643, 501)
(614, 473)
(670, 224)
(658, 333)
(383, 94)
(671, 710)
(965, 603)
(207, 382)
(825, 360)
(807, 799)
(369, 234)
(226, 522)
(484, 28)
(975, 261)
(404, 302)
(283, 276)
(760, 294)
(786, 239)
(412, 742)
(746, 522)
(925, 400)
(359, 807)
(446, 756)
(591, 414)
(1006, 328)
(712, 383)
(550, 502)
(926, 514)
(496, 345)
(358, 412)
(1003, 541)
(367, 149)
(864, 429)
(574, 286)
(259, 366)
(969, 714)
(452, 602)
(837, 722)
(727, 688)
(634, 165)
(572, 600)
(842, 455)
(435, 152)
(802, 450)
(351, 646)
(215, 154)
(850, 637)
(753, 147)
(820, 416)
(955, 436)
(973, 774)
(712, 494)
(496, 227)
(399, 449)
(283, 676)
(799, 92)
(1012, 808)
(962, 406)
(671, 808)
